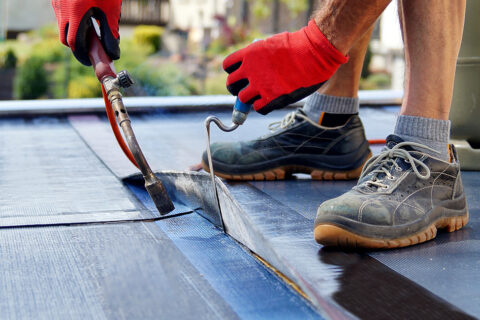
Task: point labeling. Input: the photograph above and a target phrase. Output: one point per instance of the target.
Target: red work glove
(282, 69)
(74, 23)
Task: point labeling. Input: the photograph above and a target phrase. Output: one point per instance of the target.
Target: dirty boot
(296, 145)
(403, 196)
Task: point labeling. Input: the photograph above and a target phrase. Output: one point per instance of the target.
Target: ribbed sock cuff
(318, 103)
(433, 133)
(425, 128)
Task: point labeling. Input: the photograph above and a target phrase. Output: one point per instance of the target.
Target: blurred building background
(23, 15)
(186, 39)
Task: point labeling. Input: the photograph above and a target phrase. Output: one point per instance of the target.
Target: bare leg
(345, 82)
(337, 100)
(432, 32)
(343, 22)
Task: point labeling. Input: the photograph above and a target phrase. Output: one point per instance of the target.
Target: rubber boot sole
(283, 172)
(331, 235)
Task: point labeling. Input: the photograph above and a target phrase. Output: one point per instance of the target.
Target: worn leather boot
(296, 145)
(402, 197)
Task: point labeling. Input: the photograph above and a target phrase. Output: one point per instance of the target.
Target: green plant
(31, 81)
(10, 59)
(84, 87)
(215, 84)
(261, 8)
(133, 54)
(295, 7)
(21, 49)
(49, 50)
(366, 63)
(376, 81)
(218, 47)
(67, 70)
(150, 36)
(165, 80)
(381, 80)
(48, 31)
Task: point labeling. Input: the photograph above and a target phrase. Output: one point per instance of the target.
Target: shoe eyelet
(385, 188)
(398, 169)
(391, 178)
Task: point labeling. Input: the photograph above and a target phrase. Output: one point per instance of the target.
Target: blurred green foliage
(149, 36)
(262, 8)
(296, 6)
(366, 63)
(8, 59)
(20, 48)
(376, 81)
(48, 31)
(241, 38)
(48, 50)
(166, 80)
(47, 69)
(132, 54)
(31, 81)
(215, 84)
(84, 87)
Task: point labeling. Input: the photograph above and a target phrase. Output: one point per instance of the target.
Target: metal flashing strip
(190, 189)
(136, 104)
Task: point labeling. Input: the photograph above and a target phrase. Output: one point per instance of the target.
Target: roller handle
(102, 64)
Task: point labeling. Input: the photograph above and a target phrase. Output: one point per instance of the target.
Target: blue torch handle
(240, 112)
(242, 107)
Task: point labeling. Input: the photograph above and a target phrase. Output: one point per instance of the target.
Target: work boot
(296, 145)
(402, 197)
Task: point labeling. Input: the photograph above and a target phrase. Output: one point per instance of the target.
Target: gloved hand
(282, 69)
(74, 23)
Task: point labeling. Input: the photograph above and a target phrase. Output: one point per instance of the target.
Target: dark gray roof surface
(68, 170)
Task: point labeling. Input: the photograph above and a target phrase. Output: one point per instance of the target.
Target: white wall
(189, 14)
(388, 51)
(390, 33)
(20, 15)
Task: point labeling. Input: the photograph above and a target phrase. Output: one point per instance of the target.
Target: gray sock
(318, 103)
(431, 132)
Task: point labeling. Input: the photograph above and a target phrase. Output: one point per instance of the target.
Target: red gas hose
(116, 131)
(377, 141)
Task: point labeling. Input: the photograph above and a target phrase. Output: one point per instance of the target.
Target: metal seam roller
(239, 115)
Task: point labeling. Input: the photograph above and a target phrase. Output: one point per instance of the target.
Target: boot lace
(387, 159)
(288, 120)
